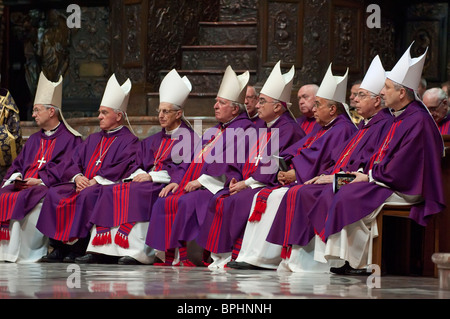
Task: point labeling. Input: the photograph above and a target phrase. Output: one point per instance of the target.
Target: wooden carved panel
(427, 27)
(238, 10)
(133, 45)
(346, 27)
(281, 32)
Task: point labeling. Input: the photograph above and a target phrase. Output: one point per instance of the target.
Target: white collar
(115, 129)
(172, 131)
(52, 131)
(272, 122)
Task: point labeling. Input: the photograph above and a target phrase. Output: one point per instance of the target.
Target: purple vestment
(444, 126)
(410, 165)
(176, 218)
(38, 158)
(308, 124)
(65, 213)
(132, 202)
(257, 122)
(292, 224)
(227, 215)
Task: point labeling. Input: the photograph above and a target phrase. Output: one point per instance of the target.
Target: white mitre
(334, 88)
(234, 87)
(375, 77)
(116, 96)
(50, 93)
(174, 89)
(408, 71)
(278, 86)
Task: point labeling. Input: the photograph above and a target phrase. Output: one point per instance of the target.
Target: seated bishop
(102, 159)
(31, 173)
(227, 215)
(305, 159)
(122, 212)
(405, 170)
(298, 226)
(177, 217)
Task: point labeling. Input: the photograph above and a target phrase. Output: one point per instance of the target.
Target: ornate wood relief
(382, 42)
(315, 43)
(238, 10)
(281, 25)
(172, 24)
(346, 35)
(135, 18)
(89, 56)
(427, 26)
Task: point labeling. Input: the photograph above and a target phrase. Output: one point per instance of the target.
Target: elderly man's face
(438, 108)
(224, 110)
(322, 111)
(306, 99)
(168, 117)
(108, 118)
(353, 93)
(251, 99)
(390, 95)
(266, 108)
(41, 114)
(366, 103)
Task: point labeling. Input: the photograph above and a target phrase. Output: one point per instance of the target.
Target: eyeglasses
(263, 101)
(363, 95)
(165, 112)
(36, 111)
(435, 108)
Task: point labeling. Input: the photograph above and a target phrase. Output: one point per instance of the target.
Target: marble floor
(109, 281)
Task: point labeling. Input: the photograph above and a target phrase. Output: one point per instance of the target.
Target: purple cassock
(124, 204)
(176, 218)
(65, 213)
(257, 122)
(444, 126)
(308, 124)
(292, 224)
(227, 214)
(408, 162)
(38, 158)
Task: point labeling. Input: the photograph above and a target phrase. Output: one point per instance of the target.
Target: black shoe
(88, 259)
(56, 256)
(348, 270)
(232, 264)
(70, 258)
(127, 260)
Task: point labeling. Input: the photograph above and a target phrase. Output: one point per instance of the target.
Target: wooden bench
(431, 234)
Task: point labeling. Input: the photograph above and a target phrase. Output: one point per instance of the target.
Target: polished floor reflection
(60, 281)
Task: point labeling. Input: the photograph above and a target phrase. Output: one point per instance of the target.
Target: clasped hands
(235, 187)
(83, 182)
(172, 187)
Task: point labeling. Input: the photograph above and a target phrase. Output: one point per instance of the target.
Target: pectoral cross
(257, 158)
(97, 162)
(41, 161)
